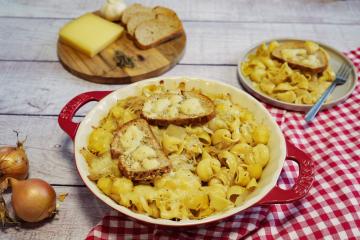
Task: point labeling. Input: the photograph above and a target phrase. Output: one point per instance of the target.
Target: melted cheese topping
(171, 106)
(300, 55)
(147, 107)
(160, 105)
(311, 47)
(173, 111)
(191, 106)
(143, 152)
(293, 53)
(131, 139)
(149, 164)
(311, 60)
(175, 99)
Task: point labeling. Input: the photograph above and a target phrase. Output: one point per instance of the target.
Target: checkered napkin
(331, 210)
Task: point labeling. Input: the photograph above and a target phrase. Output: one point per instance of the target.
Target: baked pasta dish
(293, 72)
(176, 154)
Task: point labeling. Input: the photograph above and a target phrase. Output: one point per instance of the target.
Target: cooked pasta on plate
(217, 159)
(291, 72)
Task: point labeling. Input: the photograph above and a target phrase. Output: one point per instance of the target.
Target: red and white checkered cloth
(331, 210)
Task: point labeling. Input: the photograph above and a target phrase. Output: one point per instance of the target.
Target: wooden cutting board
(102, 67)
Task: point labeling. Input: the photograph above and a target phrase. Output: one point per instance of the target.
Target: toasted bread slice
(306, 56)
(138, 18)
(140, 155)
(164, 11)
(151, 33)
(132, 9)
(178, 109)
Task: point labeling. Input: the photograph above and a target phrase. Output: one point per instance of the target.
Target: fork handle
(310, 115)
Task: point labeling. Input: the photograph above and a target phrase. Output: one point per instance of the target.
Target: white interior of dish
(271, 171)
(336, 60)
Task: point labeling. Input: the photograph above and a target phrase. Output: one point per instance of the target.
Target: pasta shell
(234, 192)
(221, 136)
(219, 203)
(204, 170)
(261, 134)
(261, 155)
(252, 184)
(217, 123)
(121, 185)
(242, 177)
(240, 149)
(255, 170)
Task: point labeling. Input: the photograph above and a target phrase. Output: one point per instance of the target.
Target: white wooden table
(34, 86)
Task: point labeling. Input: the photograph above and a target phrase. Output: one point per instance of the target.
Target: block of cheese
(90, 34)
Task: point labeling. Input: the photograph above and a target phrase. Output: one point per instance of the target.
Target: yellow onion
(33, 200)
(13, 162)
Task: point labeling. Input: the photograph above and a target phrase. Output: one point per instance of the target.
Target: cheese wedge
(90, 34)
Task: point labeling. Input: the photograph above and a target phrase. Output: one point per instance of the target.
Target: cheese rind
(90, 34)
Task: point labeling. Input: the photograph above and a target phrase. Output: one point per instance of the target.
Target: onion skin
(33, 200)
(13, 162)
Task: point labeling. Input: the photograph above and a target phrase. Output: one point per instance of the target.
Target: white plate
(340, 94)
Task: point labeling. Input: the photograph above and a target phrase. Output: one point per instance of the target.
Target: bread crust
(322, 55)
(146, 176)
(162, 40)
(181, 122)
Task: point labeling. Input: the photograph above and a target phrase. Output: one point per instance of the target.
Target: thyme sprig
(122, 60)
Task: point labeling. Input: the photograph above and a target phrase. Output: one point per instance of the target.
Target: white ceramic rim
(247, 84)
(103, 106)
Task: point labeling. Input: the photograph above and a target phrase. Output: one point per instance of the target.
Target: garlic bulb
(113, 9)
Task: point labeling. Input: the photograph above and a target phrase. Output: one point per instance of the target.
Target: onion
(13, 162)
(33, 200)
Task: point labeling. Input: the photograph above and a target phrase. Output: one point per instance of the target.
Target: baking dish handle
(302, 183)
(69, 110)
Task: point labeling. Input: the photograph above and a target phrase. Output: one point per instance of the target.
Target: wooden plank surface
(45, 87)
(77, 215)
(49, 149)
(283, 11)
(207, 43)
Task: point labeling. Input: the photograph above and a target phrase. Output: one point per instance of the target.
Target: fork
(341, 77)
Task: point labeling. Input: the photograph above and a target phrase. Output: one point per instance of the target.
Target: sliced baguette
(151, 33)
(138, 18)
(132, 9)
(187, 108)
(163, 11)
(140, 155)
(309, 58)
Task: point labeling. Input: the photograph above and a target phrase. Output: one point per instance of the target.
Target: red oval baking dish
(267, 192)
